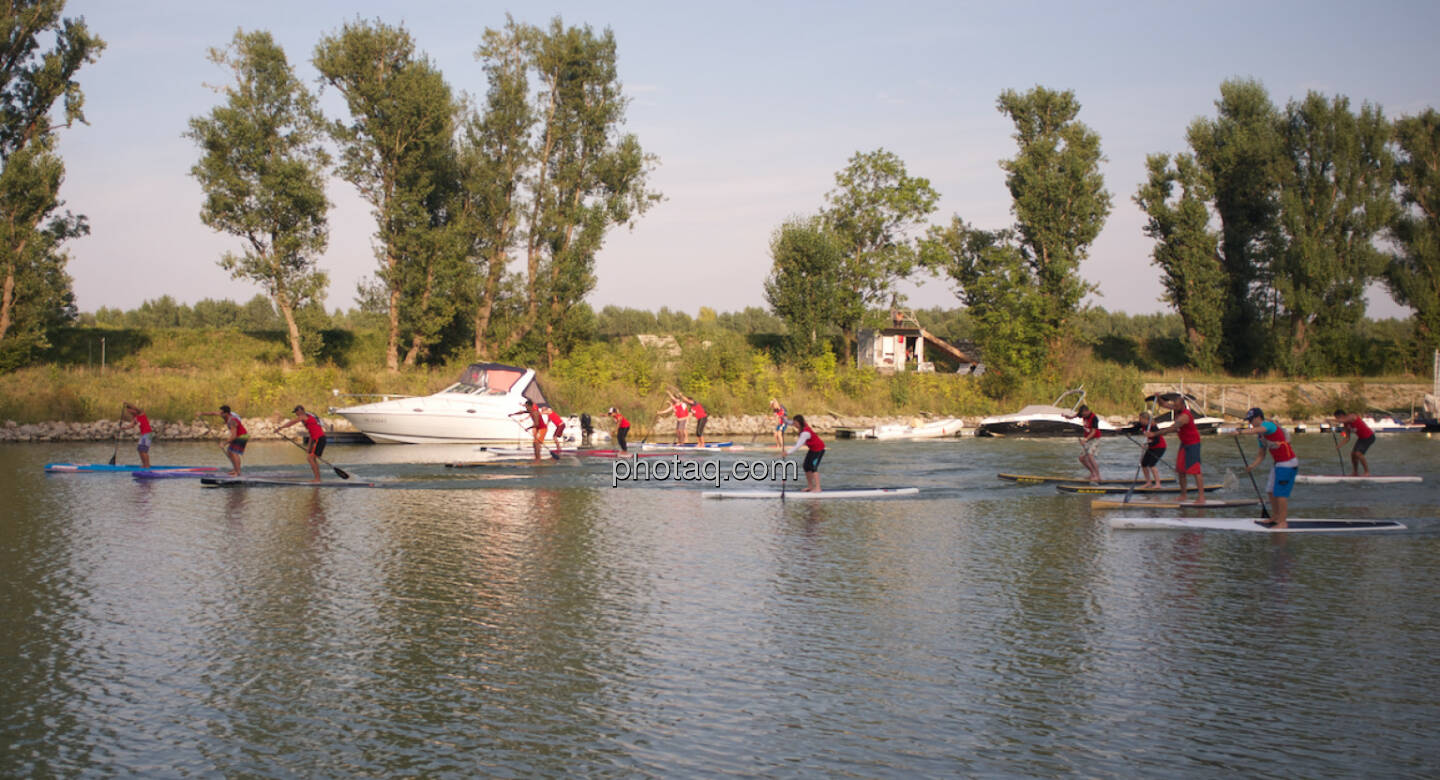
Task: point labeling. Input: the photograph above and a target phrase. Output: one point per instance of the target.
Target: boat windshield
(487, 379)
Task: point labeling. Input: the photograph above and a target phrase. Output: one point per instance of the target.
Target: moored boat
(1040, 420)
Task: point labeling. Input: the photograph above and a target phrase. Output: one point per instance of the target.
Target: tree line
(1267, 233)
(531, 175)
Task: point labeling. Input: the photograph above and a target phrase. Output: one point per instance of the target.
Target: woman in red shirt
(1364, 437)
(816, 448)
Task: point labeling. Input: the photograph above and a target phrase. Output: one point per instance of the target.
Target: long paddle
(339, 472)
(116, 453)
(1338, 456)
(1148, 424)
(1264, 510)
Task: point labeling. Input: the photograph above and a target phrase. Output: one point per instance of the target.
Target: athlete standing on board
(557, 425)
(622, 428)
(681, 411)
(313, 431)
(1364, 437)
(1287, 465)
(1188, 461)
(781, 423)
(136, 415)
(1153, 453)
(235, 445)
(816, 448)
(1089, 440)
(701, 417)
(537, 425)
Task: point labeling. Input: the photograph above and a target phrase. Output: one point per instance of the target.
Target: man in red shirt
(1188, 461)
(622, 428)
(1364, 437)
(136, 415)
(314, 431)
(701, 417)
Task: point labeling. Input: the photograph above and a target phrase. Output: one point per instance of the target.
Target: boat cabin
(496, 379)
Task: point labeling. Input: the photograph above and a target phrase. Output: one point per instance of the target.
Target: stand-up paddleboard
(1160, 503)
(709, 445)
(513, 463)
(277, 482)
(800, 495)
(1345, 479)
(105, 468)
(1036, 479)
(1086, 487)
(1295, 525)
(174, 473)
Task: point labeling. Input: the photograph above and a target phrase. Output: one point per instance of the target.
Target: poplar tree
(1413, 272)
(263, 173)
(397, 151)
(1176, 200)
(1242, 156)
(1335, 199)
(35, 294)
(1022, 284)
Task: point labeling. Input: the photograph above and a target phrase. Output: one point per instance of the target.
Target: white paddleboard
(1344, 479)
(1160, 503)
(800, 495)
(1295, 525)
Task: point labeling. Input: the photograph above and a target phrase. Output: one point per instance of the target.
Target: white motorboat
(480, 407)
(1040, 420)
(917, 429)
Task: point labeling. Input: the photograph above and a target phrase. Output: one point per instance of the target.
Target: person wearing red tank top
(622, 428)
(314, 431)
(816, 448)
(1089, 440)
(1282, 478)
(681, 411)
(235, 445)
(1187, 462)
(136, 415)
(1364, 437)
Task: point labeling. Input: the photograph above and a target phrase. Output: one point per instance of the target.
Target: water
(512, 622)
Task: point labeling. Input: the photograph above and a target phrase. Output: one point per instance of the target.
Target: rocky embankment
(261, 429)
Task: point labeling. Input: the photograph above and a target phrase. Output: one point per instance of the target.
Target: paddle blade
(341, 473)
(112, 459)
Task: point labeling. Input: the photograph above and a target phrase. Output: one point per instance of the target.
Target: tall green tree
(263, 172)
(805, 284)
(1023, 284)
(1335, 199)
(584, 176)
(1060, 200)
(1176, 200)
(35, 294)
(397, 151)
(1241, 152)
(1413, 272)
(876, 209)
(998, 282)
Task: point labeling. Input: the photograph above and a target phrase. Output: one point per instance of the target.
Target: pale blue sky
(751, 109)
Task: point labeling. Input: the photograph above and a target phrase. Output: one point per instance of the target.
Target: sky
(751, 109)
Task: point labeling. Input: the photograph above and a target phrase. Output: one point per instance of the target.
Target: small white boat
(478, 408)
(917, 429)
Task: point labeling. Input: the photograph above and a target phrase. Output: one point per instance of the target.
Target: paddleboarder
(235, 445)
(678, 408)
(537, 425)
(1187, 462)
(1364, 437)
(557, 424)
(701, 417)
(1154, 451)
(314, 431)
(622, 428)
(782, 421)
(1282, 477)
(1089, 439)
(136, 415)
(816, 447)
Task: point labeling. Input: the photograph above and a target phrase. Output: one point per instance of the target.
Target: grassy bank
(175, 372)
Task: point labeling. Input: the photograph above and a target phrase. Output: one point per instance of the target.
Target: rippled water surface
(523, 622)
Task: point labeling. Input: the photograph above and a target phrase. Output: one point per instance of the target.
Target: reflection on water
(548, 624)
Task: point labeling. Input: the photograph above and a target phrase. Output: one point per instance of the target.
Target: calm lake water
(518, 622)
